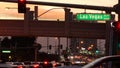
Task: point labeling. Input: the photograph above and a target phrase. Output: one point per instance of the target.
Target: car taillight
(35, 66)
(45, 62)
(54, 65)
(20, 66)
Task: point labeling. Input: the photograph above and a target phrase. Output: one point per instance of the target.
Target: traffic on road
(44, 64)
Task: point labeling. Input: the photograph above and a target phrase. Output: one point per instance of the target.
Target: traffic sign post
(93, 16)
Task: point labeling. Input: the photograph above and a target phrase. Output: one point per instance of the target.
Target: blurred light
(54, 65)
(89, 48)
(97, 51)
(118, 45)
(36, 65)
(116, 25)
(21, 0)
(21, 6)
(19, 66)
(45, 62)
(77, 47)
(71, 57)
(81, 42)
(82, 48)
(77, 62)
(9, 57)
(56, 38)
(6, 51)
(91, 45)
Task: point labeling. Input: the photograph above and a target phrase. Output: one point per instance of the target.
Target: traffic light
(116, 25)
(21, 6)
(97, 52)
(68, 15)
(116, 37)
(118, 44)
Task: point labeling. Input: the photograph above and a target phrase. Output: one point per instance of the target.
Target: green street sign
(93, 16)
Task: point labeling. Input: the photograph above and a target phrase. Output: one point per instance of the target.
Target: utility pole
(68, 20)
(47, 44)
(36, 12)
(59, 46)
(67, 23)
(109, 38)
(28, 16)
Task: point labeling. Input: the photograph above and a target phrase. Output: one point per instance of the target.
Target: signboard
(92, 16)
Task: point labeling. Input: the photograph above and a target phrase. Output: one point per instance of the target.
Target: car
(105, 61)
(72, 66)
(10, 65)
(29, 64)
(82, 63)
(18, 64)
(46, 64)
(35, 65)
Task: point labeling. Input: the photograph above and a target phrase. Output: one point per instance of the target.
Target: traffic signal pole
(119, 11)
(36, 12)
(28, 16)
(116, 28)
(109, 35)
(109, 39)
(26, 20)
(59, 53)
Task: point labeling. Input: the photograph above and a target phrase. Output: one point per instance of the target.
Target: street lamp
(48, 11)
(10, 8)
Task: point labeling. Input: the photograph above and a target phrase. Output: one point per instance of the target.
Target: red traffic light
(21, 0)
(21, 6)
(116, 25)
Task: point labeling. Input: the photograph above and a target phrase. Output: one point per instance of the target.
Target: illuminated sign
(6, 51)
(91, 17)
